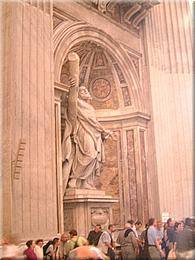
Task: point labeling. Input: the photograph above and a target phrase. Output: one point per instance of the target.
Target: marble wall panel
(132, 173)
(109, 179)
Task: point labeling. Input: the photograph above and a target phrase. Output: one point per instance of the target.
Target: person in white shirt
(154, 248)
(39, 249)
(106, 243)
(52, 251)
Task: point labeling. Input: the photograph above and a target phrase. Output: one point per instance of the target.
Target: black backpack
(129, 230)
(45, 247)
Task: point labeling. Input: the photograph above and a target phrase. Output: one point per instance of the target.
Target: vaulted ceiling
(130, 13)
(101, 74)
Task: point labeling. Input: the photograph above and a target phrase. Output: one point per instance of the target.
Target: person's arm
(108, 245)
(90, 238)
(174, 246)
(118, 240)
(68, 247)
(113, 244)
(106, 240)
(56, 253)
(82, 241)
(50, 251)
(61, 250)
(159, 248)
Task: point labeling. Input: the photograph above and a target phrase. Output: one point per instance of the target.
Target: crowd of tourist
(156, 240)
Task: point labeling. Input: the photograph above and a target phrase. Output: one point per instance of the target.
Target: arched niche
(101, 74)
(128, 126)
(69, 34)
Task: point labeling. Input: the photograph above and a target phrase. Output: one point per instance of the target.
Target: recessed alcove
(101, 74)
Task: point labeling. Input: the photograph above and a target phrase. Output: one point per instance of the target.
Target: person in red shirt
(29, 252)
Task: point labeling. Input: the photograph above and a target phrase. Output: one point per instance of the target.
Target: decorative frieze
(129, 13)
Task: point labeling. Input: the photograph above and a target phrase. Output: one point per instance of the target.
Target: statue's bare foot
(88, 186)
(72, 183)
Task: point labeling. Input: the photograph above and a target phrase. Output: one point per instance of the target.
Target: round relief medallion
(101, 89)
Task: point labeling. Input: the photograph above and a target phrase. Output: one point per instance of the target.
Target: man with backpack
(50, 250)
(122, 232)
(45, 247)
(129, 244)
(74, 241)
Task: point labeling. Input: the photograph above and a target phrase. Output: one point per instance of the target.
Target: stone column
(168, 39)
(29, 176)
(1, 110)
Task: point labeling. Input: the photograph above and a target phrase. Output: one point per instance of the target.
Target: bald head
(64, 237)
(86, 253)
(127, 225)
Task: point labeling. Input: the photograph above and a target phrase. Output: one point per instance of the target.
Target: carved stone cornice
(134, 12)
(138, 11)
(122, 115)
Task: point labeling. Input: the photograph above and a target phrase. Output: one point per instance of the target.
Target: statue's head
(84, 93)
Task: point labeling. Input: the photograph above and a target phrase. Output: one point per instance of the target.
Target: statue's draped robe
(83, 145)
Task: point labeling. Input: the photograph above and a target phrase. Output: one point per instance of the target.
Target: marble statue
(84, 136)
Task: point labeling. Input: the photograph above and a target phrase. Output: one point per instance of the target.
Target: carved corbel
(102, 4)
(140, 17)
(133, 10)
(111, 5)
(138, 11)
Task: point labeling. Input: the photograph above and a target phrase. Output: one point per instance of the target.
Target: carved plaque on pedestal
(100, 216)
(83, 209)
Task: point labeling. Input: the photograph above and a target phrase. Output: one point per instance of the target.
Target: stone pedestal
(83, 209)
